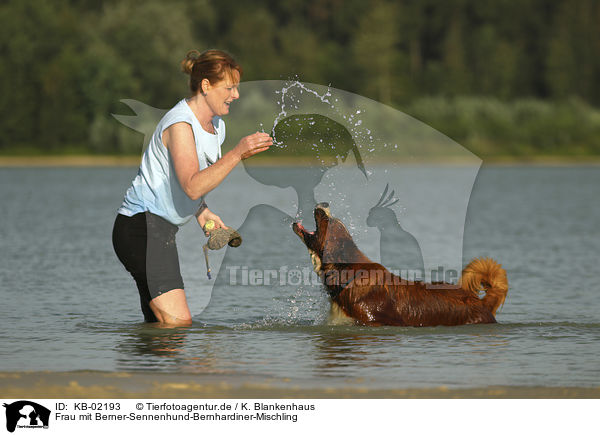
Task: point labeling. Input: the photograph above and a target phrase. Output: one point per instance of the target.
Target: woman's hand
(207, 215)
(253, 144)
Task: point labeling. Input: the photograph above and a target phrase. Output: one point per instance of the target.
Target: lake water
(68, 304)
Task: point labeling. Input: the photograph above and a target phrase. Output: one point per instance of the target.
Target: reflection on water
(334, 352)
(501, 354)
(149, 343)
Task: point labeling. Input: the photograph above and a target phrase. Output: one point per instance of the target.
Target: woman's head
(210, 67)
(215, 75)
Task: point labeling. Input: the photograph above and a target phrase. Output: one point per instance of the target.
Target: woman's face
(220, 95)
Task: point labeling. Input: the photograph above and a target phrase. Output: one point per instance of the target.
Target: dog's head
(330, 243)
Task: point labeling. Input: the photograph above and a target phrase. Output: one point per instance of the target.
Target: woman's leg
(145, 244)
(129, 241)
(171, 308)
(168, 303)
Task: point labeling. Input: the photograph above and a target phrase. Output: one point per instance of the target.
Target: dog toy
(209, 225)
(218, 238)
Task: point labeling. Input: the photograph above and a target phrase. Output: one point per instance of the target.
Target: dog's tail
(487, 275)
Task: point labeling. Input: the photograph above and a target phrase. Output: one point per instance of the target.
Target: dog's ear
(322, 234)
(334, 242)
(339, 248)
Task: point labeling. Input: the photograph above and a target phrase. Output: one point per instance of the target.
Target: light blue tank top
(156, 188)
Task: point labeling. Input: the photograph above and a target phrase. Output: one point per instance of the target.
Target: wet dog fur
(366, 293)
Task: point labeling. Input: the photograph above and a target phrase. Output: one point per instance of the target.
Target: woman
(181, 165)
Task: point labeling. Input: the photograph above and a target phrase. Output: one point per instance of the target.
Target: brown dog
(369, 294)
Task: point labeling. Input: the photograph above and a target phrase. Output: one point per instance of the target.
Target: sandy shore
(98, 385)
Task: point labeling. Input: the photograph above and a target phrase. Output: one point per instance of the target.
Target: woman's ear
(205, 86)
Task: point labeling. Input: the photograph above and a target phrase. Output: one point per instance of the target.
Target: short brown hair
(213, 65)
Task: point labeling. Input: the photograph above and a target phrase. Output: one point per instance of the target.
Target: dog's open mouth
(311, 238)
(308, 237)
(301, 231)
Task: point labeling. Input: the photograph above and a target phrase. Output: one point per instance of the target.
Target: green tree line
(499, 76)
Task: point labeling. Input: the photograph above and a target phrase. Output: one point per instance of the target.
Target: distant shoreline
(92, 384)
(118, 161)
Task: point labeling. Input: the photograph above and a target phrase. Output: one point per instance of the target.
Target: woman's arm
(179, 140)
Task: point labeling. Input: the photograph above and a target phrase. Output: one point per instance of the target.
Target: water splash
(288, 99)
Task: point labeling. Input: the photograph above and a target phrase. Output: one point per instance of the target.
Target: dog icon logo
(26, 414)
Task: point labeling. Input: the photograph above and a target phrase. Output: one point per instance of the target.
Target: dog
(366, 293)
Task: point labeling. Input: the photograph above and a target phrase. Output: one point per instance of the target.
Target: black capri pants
(145, 244)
